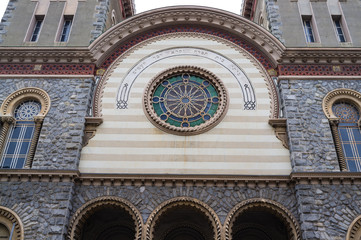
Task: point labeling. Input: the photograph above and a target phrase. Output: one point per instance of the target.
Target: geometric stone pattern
(43, 208)
(61, 134)
(326, 211)
(220, 199)
(311, 144)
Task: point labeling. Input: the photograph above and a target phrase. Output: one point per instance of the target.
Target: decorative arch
(337, 95)
(256, 40)
(24, 94)
(248, 91)
(84, 212)
(264, 204)
(12, 222)
(354, 230)
(9, 124)
(182, 201)
(351, 97)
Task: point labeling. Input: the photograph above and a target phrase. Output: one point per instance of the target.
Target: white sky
(144, 5)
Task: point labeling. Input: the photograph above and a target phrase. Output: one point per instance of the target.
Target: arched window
(342, 107)
(22, 116)
(349, 133)
(11, 227)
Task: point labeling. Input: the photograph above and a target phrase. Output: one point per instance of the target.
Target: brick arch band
(12, 221)
(183, 201)
(273, 207)
(92, 206)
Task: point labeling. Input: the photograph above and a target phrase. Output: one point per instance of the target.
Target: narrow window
(37, 26)
(339, 30)
(307, 25)
(349, 134)
(65, 32)
(21, 135)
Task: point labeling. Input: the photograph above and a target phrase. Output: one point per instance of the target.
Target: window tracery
(22, 116)
(342, 107)
(185, 100)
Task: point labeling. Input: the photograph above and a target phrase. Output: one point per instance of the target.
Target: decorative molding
(81, 215)
(196, 19)
(338, 145)
(202, 73)
(354, 230)
(340, 94)
(321, 56)
(280, 126)
(39, 55)
(319, 70)
(122, 95)
(91, 124)
(249, 96)
(7, 122)
(260, 203)
(171, 180)
(9, 104)
(162, 208)
(12, 221)
(37, 175)
(47, 69)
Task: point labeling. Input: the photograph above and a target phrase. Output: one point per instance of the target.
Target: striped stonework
(242, 143)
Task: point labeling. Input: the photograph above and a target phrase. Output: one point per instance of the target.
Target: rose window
(185, 100)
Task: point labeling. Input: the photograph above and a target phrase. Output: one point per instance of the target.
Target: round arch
(252, 37)
(354, 230)
(266, 205)
(24, 94)
(83, 213)
(343, 94)
(180, 202)
(12, 221)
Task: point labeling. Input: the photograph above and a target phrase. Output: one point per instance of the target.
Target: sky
(144, 5)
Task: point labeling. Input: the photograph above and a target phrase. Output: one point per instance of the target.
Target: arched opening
(4, 232)
(109, 222)
(261, 219)
(183, 218)
(259, 224)
(109, 218)
(183, 222)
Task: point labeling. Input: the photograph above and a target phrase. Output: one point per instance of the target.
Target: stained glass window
(349, 133)
(185, 100)
(20, 135)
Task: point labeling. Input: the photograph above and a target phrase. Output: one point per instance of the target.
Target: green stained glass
(185, 100)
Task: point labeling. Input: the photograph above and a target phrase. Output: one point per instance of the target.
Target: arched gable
(238, 30)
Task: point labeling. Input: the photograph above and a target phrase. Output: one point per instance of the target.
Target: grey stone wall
(5, 21)
(310, 138)
(221, 200)
(274, 18)
(328, 210)
(42, 207)
(60, 139)
(101, 15)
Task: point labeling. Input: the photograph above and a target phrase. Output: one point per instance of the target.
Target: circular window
(27, 110)
(185, 100)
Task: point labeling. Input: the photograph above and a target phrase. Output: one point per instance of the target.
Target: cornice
(191, 15)
(37, 175)
(321, 56)
(45, 55)
(170, 180)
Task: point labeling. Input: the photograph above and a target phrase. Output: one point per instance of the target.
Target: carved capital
(7, 120)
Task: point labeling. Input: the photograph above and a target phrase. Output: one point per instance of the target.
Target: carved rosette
(184, 100)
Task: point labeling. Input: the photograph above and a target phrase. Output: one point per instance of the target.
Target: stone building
(182, 122)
